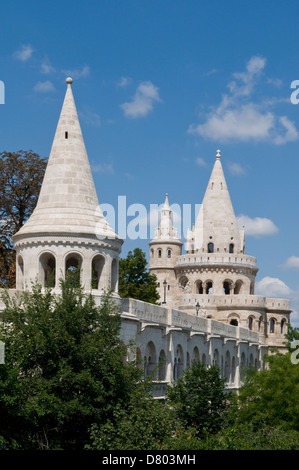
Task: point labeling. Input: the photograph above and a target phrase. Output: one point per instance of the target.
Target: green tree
(21, 175)
(64, 367)
(135, 281)
(199, 399)
(271, 395)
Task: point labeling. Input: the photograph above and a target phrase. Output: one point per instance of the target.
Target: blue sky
(159, 87)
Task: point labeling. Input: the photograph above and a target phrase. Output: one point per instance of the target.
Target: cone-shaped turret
(166, 230)
(68, 201)
(216, 227)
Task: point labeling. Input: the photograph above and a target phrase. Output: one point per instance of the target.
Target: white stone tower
(165, 248)
(215, 278)
(67, 230)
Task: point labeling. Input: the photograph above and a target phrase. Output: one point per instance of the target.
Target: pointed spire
(68, 201)
(166, 230)
(216, 222)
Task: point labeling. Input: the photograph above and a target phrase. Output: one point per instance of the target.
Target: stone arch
(114, 275)
(238, 287)
(183, 282)
(210, 247)
(150, 359)
(208, 286)
(204, 360)
(162, 365)
(178, 362)
(169, 252)
(199, 286)
(234, 319)
(227, 286)
(272, 323)
(98, 263)
(47, 269)
(227, 367)
(216, 358)
(251, 360)
(195, 354)
(73, 266)
(250, 322)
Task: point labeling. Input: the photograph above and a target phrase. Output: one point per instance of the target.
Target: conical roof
(166, 230)
(216, 222)
(68, 201)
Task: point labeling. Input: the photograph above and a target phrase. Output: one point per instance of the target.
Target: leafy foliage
(199, 398)
(135, 281)
(64, 367)
(21, 175)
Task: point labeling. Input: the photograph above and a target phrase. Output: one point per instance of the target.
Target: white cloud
(291, 263)
(143, 100)
(44, 87)
(257, 227)
(201, 162)
(77, 73)
(24, 53)
(235, 169)
(239, 118)
(273, 287)
(46, 68)
(124, 81)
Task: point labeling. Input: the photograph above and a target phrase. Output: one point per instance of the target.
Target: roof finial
(69, 80)
(218, 154)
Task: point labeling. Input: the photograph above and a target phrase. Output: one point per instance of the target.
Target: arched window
(162, 365)
(226, 287)
(168, 253)
(231, 248)
(233, 375)
(211, 248)
(152, 252)
(260, 323)
(195, 354)
(250, 323)
(73, 265)
(238, 286)
(150, 359)
(47, 264)
(227, 366)
(199, 287)
(216, 357)
(272, 325)
(97, 268)
(234, 322)
(204, 360)
(159, 253)
(179, 360)
(209, 287)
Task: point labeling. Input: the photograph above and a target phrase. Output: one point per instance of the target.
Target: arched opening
(216, 358)
(210, 247)
(199, 287)
(272, 325)
(114, 275)
(168, 253)
(204, 360)
(260, 322)
(73, 265)
(234, 322)
(47, 263)
(179, 362)
(209, 287)
(250, 323)
(20, 272)
(150, 360)
(97, 269)
(159, 253)
(152, 252)
(195, 354)
(226, 287)
(183, 282)
(238, 287)
(231, 248)
(162, 365)
(227, 366)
